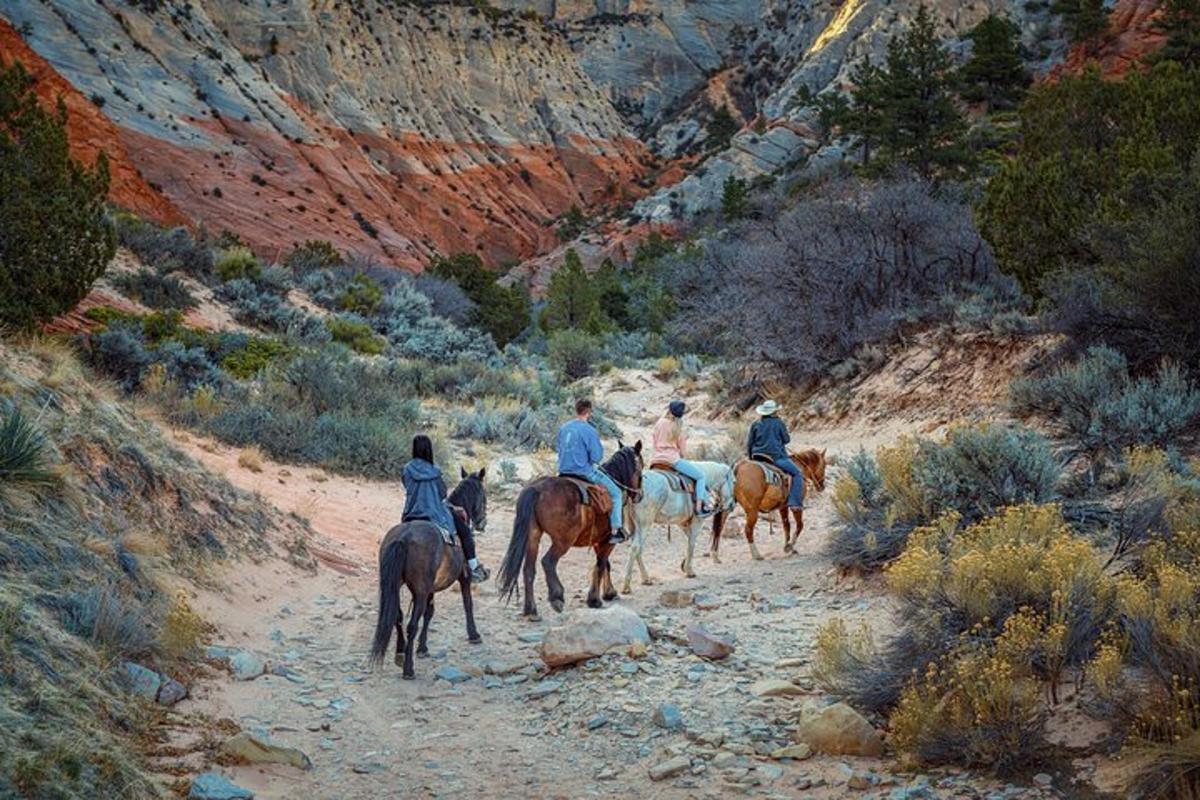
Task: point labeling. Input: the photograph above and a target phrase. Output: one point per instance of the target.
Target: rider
(768, 439)
(670, 447)
(579, 455)
(425, 499)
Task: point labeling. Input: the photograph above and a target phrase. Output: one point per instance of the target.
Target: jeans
(695, 473)
(796, 496)
(465, 535)
(599, 476)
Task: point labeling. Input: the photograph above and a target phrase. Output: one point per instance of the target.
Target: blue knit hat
(677, 408)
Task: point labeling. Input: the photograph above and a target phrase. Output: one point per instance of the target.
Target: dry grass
(251, 458)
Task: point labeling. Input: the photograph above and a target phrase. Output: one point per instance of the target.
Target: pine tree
(866, 118)
(502, 311)
(573, 299)
(55, 236)
(1084, 20)
(735, 199)
(995, 73)
(614, 299)
(1180, 21)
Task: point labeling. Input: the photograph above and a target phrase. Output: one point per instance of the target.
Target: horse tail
(727, 500)
(391, 568)
(514, 558)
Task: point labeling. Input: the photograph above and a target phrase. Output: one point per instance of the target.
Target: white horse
(663, 505)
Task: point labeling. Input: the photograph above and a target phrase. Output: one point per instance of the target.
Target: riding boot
(466, 536)
(618, 536)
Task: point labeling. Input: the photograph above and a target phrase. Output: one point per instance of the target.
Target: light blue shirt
(579, 448)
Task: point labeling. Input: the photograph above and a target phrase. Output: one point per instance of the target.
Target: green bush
(361, 296)
(573, 354)
(238, 263)
(313, 255)
(24, 453)
(356, 335)
(502, 311)
(57, 239)
(154, 290)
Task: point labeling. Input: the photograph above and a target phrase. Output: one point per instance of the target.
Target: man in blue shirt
(769, 439)
(579, 456)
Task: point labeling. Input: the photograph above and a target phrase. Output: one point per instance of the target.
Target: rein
(635, 494)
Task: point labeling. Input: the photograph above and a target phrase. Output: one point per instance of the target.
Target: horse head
(812, 464)
(471, 496)
(625, 467)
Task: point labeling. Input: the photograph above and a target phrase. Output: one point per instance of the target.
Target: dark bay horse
(758, 496)
(415, 554)
(553, 506)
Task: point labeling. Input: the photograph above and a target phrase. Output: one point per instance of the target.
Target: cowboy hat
(768, 408)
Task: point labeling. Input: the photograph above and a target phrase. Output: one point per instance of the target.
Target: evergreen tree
(833, 109)
(502, 311)
(995, 73)
(721, 128)
(735, 198)
(865, 118)
(1180, 21)
(55, 236)
(573, 299)
(614, 299)
(1085, 20)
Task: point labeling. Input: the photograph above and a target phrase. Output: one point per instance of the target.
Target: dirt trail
(373, 735)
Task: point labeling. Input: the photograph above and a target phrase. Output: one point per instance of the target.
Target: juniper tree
(995, 73)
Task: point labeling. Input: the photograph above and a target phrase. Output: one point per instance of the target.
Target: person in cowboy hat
(670, 447)
(768, 440)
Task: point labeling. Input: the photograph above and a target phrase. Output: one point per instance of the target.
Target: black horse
(415, 554)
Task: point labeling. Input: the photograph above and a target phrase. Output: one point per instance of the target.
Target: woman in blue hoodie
(425, 499)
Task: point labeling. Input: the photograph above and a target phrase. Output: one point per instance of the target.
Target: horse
(554, 506)
(663, 505)
(756, 496)
(415, 554)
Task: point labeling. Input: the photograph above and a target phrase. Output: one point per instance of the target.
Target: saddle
(773, 474)
(677, 481)
(592, 494)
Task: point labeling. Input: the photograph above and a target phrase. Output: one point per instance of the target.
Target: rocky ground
(492, 719)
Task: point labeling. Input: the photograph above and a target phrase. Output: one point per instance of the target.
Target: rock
(670, 768)
(668, 716)
(542, 689)
(859, 781)
(247, 666)
(708, 645)
(675, 598)
(597, 722)
(287, 672)
(143, 681)
(774, 687)
(799, 752)
(1043, 780)
(706, 602)
(531, 637)
(171, 691)
(211, 786)
(589, 633)
(253, 748)
(839, 730)
(492, 682)
(452, 674)
(502, 668)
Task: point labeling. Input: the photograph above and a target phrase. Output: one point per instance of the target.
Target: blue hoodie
(425, 494)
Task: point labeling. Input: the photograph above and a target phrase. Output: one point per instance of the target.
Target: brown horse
(554, 506)
(756, 496)
(415, 554)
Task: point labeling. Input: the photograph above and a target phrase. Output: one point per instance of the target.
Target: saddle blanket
(592, 494)
(676, 481)
(773, 474)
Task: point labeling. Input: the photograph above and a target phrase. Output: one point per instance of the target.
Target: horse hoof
(423, 653)
(476, 639)
(409, 676)
(594, 603)
(608, 598)
(533, 617)
(399, 661)
(648, 582)
(716, 558)
(626, 590)
(558, 605)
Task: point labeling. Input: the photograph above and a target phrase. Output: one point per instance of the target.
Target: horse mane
(622, 466)
(809, 457)
(468, 489)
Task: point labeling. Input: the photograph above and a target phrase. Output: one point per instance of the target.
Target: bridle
(635, 495)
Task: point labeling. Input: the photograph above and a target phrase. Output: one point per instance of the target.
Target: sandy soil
(372, 735)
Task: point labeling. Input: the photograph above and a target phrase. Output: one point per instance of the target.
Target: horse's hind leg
(593, 597)
(718, 527)
(550, 568)
(422, 648)
(400, 637)
(635, 554)
(416, 614)
(798, 513)
(530, 572)
(751, 521)
(610, 593)
(464, 583)
(686, 566)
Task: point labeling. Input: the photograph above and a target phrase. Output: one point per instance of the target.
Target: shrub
(110, 619)
(254, 354)
(1098, 410)
(183, 630)
(356, 335)
(263, 309)
(361, 296)
(446, 299)
(24, 453)
(57, 238)
(238, 263)
(251, 458)
(667, 367)
(119, 352)
(154, 290)
(406, 320)
(573, 354)
(313, 255)
(501, 311)
(165, 250)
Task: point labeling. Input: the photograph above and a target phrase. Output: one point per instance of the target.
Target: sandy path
(373, 735)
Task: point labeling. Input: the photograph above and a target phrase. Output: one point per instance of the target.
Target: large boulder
(257, 748)
(839, 730)
(589, 633)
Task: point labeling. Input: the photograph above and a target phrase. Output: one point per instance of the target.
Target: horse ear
(620, 445)
(637, 448)
(823, 451)
(482, 470)
(462, 471)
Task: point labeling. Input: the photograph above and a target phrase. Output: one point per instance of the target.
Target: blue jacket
(579, 448)
(425, 494)
(768, 437)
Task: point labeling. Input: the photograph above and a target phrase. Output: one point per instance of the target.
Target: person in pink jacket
(670, 447)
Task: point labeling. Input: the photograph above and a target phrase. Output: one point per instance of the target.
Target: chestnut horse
(554, 506)
(756, 496)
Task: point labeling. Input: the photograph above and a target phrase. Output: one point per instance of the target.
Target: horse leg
(550, 566)
(718, 527)
(610, 593)
(635, 554)
(593, 597)
(751, 521)
(692, 530)
(422, 648)
(798, 513)
(787, 530)
(464, 583)
(416, 613)
(400, 637)
(646, 579)
(530, 572)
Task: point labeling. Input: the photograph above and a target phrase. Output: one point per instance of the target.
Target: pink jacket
(667, 447)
